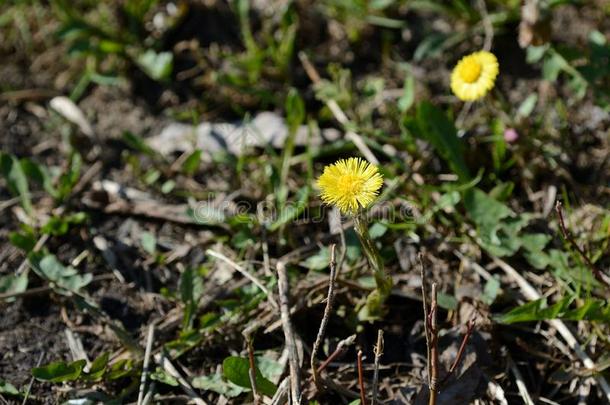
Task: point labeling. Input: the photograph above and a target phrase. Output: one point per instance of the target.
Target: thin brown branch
(424, 295)
(596, 272)
(378, 353)
(252, 372)
(361, 379)
(433, 328)
(460, 353)
(339, 351)
(327, 310)
(295, 376)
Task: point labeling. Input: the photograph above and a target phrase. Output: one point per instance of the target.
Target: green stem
(383, 281)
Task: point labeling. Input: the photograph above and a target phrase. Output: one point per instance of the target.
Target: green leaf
(6, 388)
(49, 268)
(13, 283)
(216, 384)
(16, 179)
(40, 174)
(59, 371)
(236, 369)
(191, 290)
(295, 110)
(435, 127)
(490, 292)
(120, 369)
(137, 143)
(60, 225)
(319, 261)
(68, 180)
(447, 301)
(160, 375)
(158, 66)
(98, 368)
(148, 242)
(484, 211)
(24, 241)
(191, 163)
(405, 102)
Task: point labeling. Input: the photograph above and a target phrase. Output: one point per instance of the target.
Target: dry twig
(378, 353)
(360, 378)
(460, 353)
(295, 377)
(433, 364)
(327, 310)
(596, 272)
(252, 372)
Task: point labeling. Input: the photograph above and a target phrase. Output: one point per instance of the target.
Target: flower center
(349, 184)
(471, 70)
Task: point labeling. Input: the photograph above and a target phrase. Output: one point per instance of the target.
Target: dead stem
(327, 310)
(596, 272)
(460, 353)
(252, 371)
(433, 366)
(360, 379)
(295, 377)
(378, 353)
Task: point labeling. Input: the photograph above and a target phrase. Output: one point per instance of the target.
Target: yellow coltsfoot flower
(474, 75)
(350, 184)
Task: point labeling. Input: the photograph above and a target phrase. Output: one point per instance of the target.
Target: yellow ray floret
(474, 75)
(350, 184)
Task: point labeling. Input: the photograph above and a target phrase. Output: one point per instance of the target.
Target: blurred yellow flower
(474, 75)
(350, 184)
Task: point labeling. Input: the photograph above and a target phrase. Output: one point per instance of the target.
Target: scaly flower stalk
(353, 185)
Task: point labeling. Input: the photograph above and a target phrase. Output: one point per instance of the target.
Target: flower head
(350, 184)
(474, 75)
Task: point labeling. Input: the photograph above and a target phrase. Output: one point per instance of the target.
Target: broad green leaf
(59, 371)
(148, 242)
(25, 240)
(435, 127)
(447, 301)
(217, 384)
(484, 211)
(98, 368)
(160, 375)
(6, 388)
(49, 268)
(319, 261)
(16, 179)
(236, 370)
(13, 283)
(490, 292)
(158, 66)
